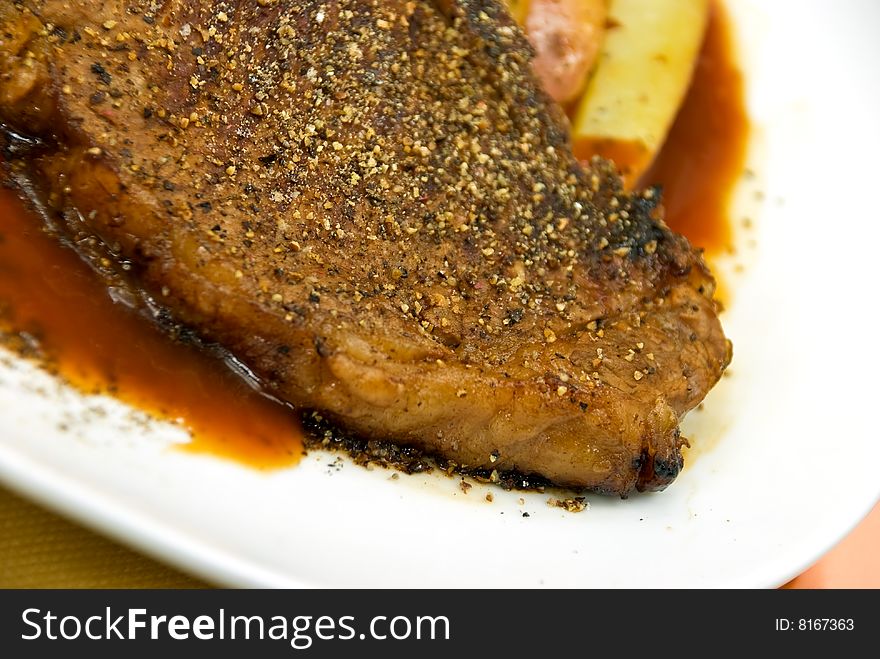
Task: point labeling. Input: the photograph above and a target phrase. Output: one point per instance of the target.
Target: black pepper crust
(374, 206)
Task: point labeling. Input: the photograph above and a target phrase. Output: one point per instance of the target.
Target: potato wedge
(640, 81)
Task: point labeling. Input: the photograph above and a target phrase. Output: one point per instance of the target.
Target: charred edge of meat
(320, 433)
(656, 472)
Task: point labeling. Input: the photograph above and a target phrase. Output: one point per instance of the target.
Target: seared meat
(376, 209)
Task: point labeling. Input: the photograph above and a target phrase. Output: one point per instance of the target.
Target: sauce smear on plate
(51, 301)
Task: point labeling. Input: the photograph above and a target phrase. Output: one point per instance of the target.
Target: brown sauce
(704, 154)
(51, 297)
(628, 156)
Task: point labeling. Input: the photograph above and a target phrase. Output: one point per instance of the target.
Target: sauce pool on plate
(50, 298)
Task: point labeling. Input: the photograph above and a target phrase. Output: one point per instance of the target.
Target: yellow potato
(519, 9)
(641, 78)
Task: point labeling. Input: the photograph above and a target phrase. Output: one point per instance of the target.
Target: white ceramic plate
(786, 445)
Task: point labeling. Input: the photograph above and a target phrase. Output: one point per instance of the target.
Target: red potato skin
(567, 36)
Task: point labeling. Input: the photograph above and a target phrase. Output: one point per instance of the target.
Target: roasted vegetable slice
(640, 80)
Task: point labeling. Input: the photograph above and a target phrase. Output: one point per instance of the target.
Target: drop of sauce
(50, 298)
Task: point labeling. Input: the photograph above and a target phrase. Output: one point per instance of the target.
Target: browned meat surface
(375, 208)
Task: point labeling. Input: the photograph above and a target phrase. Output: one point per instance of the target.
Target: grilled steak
(373, 206)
